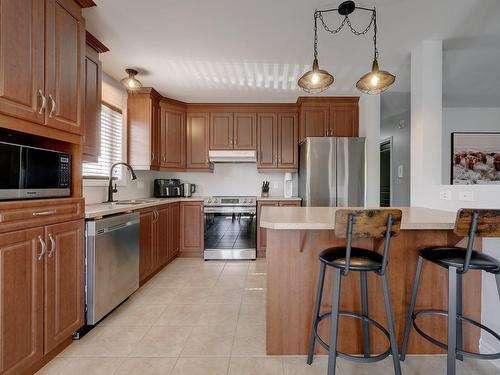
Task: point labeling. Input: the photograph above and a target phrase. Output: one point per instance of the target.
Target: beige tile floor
(206, 318)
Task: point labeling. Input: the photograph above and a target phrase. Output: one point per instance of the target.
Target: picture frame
(475, 158)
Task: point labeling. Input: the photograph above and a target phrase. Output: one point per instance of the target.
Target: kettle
(189, 189)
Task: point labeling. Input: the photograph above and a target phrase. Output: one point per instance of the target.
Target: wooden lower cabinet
(41, 292)
(261, 232)
(159, 238)
(192, 229)
(21, 300)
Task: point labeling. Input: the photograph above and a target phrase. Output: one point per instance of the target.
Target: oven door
(230, 233)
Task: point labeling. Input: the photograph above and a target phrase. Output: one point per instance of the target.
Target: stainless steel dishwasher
(112, 262)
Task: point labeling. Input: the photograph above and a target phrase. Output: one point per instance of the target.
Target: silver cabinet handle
(52, 105)
(44, 213)
(52, 245)
(44, 101)
(44, 248)
(152, 156)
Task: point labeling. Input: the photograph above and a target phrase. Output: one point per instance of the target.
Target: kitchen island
(296, 236)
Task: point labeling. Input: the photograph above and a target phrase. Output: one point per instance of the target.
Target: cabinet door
(314, 121)
(64, 65)
(147, 244)
(21, 300)
(261, 232)
(197, 141)
(173, 139)
(92, 123)
(173, 230)
(288, 134)
(64, 282)
(192, 230)
(221, 131)
(344, 120)
(245, 131)
(267, 141)
(162, 233)
(22, 59)
(155, 133)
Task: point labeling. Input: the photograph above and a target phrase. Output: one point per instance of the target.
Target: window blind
(111, 145)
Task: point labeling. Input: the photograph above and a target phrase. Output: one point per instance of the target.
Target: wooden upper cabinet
(267, 141)
(197, 140)
(64, 280)
(245, 131)
(221, 131)
(288, 134)
(143, 120)
(344, 120)
(314, 121)
(22, 86)
(93, 95)
(192, 229)
(21, 300)
(329, 117)
(173, 138)
(65, 65)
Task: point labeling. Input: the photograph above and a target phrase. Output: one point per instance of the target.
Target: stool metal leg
(364, 312)
(411, 309)
(390, 326)
(332, 354)
(459, 313)
(497, 276)
(452, 321)
(317, 306)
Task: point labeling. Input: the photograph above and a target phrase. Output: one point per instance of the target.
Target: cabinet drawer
(27, 214)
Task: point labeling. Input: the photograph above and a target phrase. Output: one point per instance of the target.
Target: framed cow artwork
(475, 158)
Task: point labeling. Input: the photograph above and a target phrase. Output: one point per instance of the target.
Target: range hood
(232, 156)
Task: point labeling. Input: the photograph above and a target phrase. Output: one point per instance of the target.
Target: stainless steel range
(230, 227)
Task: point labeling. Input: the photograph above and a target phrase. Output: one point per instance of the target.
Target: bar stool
(357, 224)
(458, 261)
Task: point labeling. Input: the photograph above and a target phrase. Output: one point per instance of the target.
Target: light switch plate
(445, 195)
(467, 196)
(400, 171)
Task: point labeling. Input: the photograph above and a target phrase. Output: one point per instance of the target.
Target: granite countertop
(324, 218)
(93, 211)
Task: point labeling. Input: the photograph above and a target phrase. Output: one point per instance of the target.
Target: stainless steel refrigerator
(332, 172)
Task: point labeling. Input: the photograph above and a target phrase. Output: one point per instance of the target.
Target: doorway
(386, 172)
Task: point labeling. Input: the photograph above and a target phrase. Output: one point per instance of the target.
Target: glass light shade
(130, 82)
(376, 81)
(315, 80)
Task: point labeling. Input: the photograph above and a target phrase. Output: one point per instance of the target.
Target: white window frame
(89, 181)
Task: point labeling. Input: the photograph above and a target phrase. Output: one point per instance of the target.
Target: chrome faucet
(112, 190)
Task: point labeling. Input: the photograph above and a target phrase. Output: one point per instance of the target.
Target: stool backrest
(367, 223)
(488, 222)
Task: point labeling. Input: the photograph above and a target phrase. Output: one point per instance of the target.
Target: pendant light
(315, 80)
(130, 82)
(377, 80)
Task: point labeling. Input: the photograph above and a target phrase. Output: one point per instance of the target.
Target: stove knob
(244, 201)
(216, 200)
(209, 201)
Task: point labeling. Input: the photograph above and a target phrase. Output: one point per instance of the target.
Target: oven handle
(230, 210)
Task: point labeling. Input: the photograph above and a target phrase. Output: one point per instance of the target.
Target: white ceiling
(254, 51)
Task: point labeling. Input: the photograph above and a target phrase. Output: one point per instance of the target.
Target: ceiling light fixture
(130, 82)
(317, 80)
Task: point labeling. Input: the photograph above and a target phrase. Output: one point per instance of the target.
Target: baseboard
(485, 346)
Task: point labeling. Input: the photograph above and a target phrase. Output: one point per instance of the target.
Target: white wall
(469, 120)
(427, 155)
(369, 127)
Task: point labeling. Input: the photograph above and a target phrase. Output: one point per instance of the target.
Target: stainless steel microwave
(30, 172)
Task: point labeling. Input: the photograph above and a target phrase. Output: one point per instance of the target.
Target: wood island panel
(293, 268)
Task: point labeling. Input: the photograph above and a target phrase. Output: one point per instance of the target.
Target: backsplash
(227, 179)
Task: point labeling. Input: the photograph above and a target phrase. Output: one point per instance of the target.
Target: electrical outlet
(467, 196)
(400, 171)
(275, 185)
(445, 195)
(140, 184)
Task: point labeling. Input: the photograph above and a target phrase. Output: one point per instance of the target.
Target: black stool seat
(361, 259)
(455, 257)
